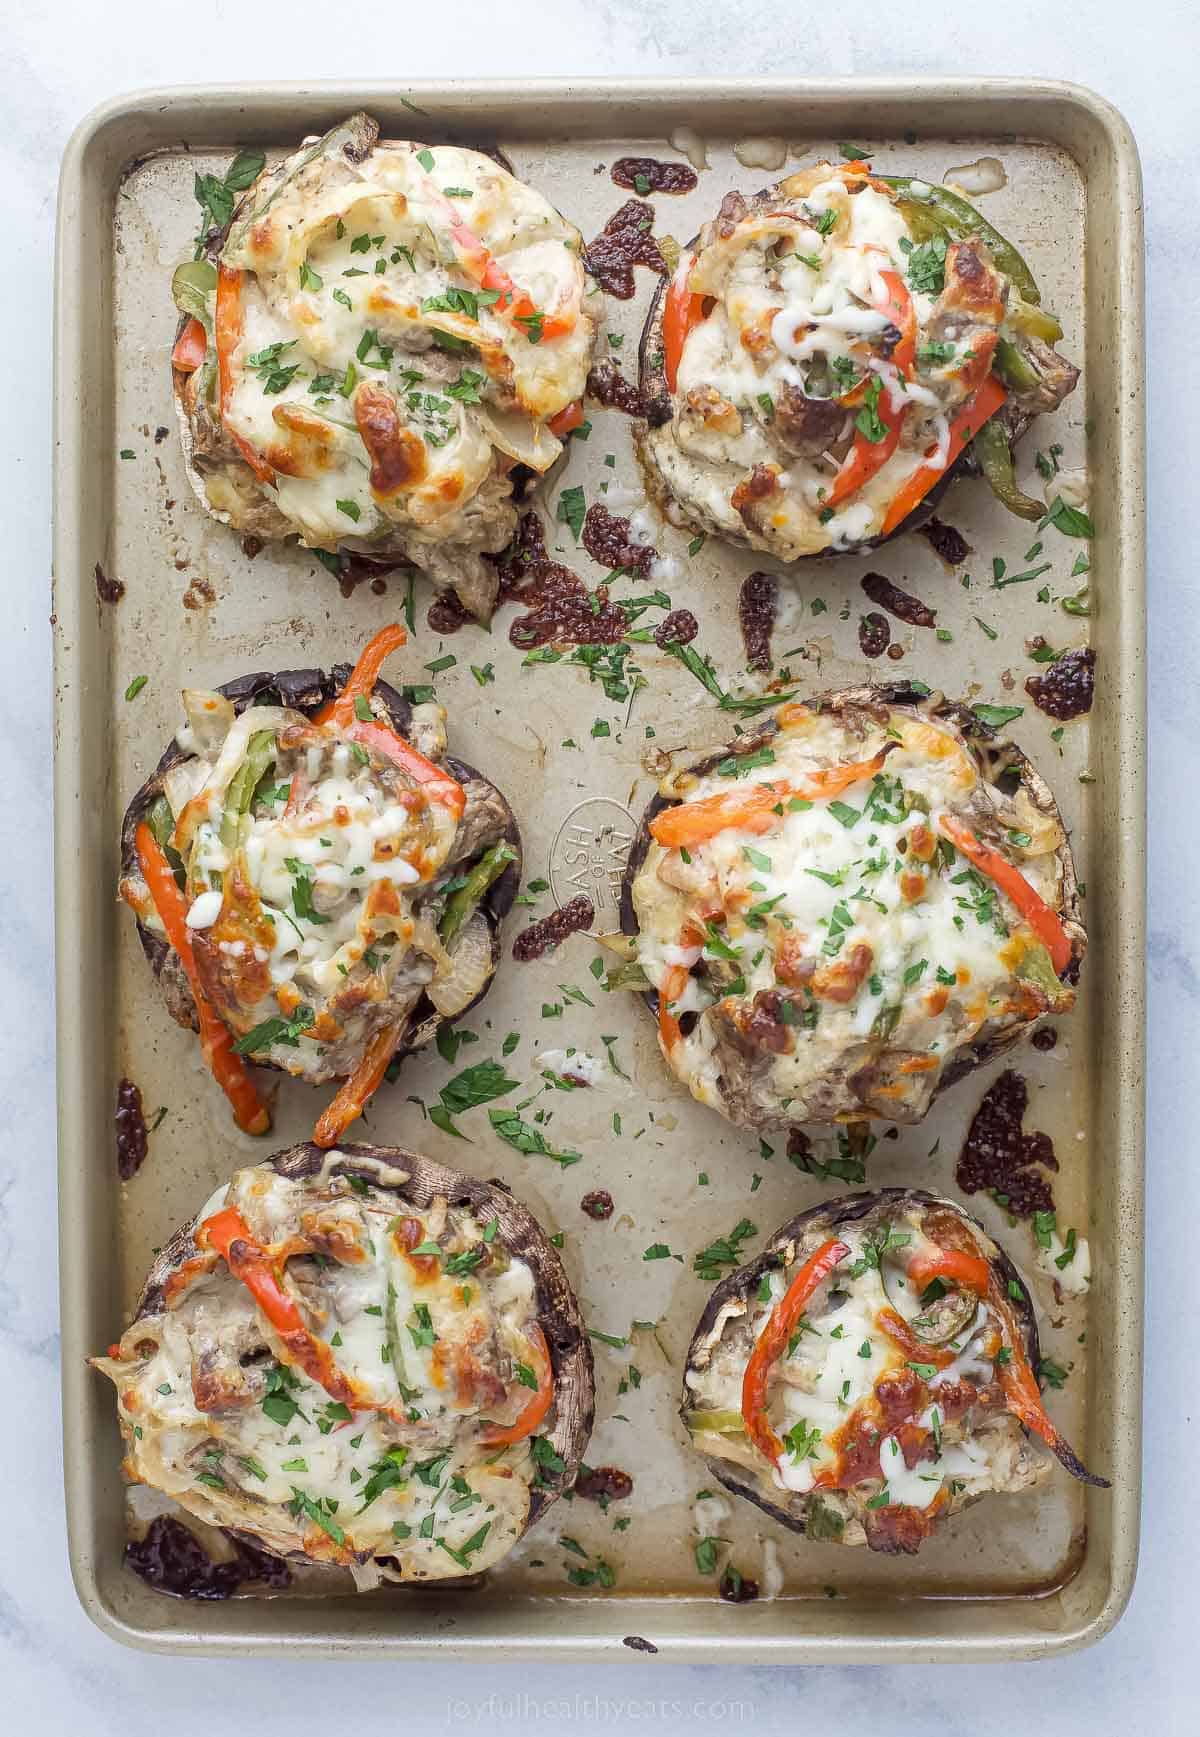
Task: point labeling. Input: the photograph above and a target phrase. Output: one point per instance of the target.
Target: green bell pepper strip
(716, 1422)
(937, 211)
(992, 449)
(1033, 321)
(194, 289)
(465, 900)
(161, 822)
(628, 975)
(260, 754)
(1014, 367)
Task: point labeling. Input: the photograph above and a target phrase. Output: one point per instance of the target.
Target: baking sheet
(1020, 1574)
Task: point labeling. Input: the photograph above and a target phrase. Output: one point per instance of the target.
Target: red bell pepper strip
(867, 457)
(970, 419)
(900, 1333)
(1044, 922)
(341, 714)
(436, 783)
(489, 274)
(364, 675)
(216, 1040)
(228, 1233)
(681, 312)
(228, 334)
(526, 1421)
(970, 1271)
(567, 419)
(771, 1344)
(673, 986)
(754, 809)
(1022, 1395)
(191, 347)
(355, 1092)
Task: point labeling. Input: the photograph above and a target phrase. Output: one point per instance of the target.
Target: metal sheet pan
(1016, 1577)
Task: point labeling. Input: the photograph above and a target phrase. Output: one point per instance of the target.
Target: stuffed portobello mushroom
(855, 904)
(381, 335)
(872, 1372)
(361, 1359)
(318, 884)
(830, 351)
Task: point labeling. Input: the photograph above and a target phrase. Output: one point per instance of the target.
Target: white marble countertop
(58, 1672)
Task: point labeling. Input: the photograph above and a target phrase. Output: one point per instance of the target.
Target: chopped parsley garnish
(723, 1251)
(524, 1137)
(276, 1030)
(571, 510)
(927, 265)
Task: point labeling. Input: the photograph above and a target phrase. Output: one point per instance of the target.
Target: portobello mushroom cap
(455, 442)
(488, 819)
(737, 475)
(210, 1410)
(890, 1395)
(744, 1044)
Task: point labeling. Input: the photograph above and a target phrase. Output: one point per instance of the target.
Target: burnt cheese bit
(652, 175)
(874, 634)
(171, 1559)
(757, 601)
(609, 540)
(736, 1587)
(108, 590)
(131, 1131)
(1066, 689)
(603, 1484)
(609, 387)
(901, 604)
(625, 241)
(680, 627)
(446, 614)
(559, 607)
(550, 932)
(999, 1157)
(946, 542)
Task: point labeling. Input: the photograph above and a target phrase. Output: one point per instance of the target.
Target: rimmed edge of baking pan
(792, 1631)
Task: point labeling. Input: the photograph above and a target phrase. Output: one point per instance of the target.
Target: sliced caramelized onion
(624, 946)
(948, 1312)
(182, 781)
(945, 1317)
(471, 964)
(210, 717)
(520, 436)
